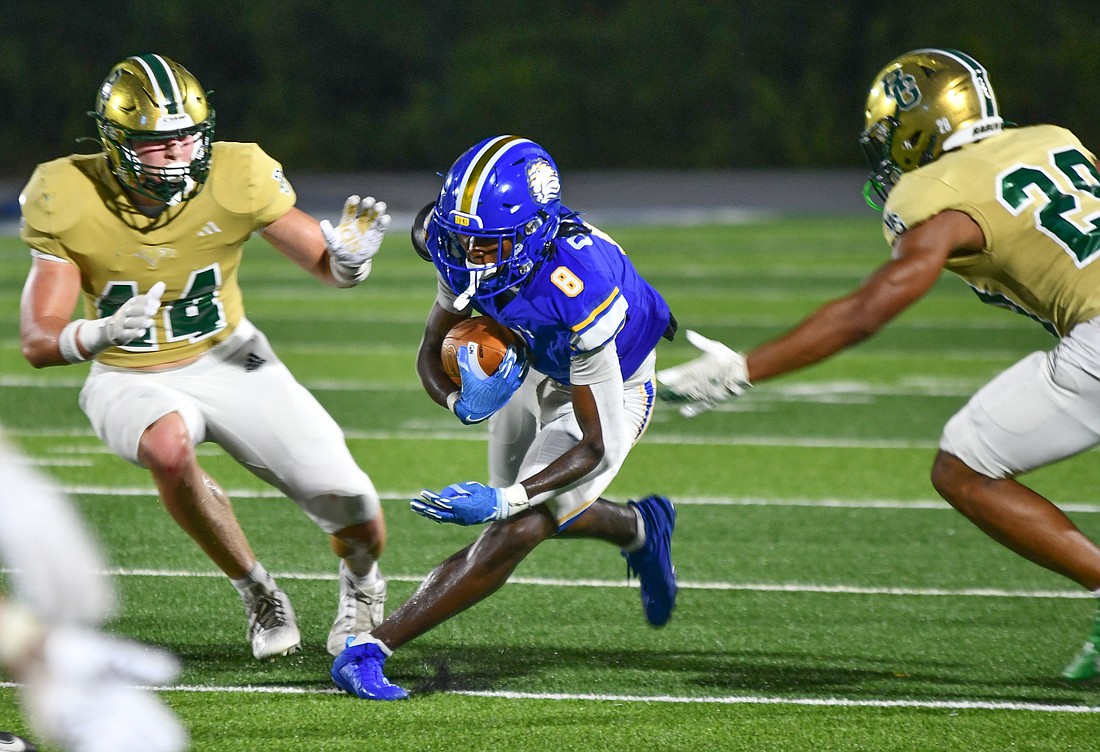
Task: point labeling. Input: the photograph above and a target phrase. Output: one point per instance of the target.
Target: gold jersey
(75, 210)
(1035, 193)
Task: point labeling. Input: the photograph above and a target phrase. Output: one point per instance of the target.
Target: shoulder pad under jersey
(245, 180)
(54, 197)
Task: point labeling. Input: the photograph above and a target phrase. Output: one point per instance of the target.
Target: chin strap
(478, 274)
(464, 298)
(867, 188)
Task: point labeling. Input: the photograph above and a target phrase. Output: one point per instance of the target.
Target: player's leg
(147, 421)
(467, 577)
(301, 450)
(642, 529)
(1041, 410)
(1019, 519)
(362, 596)
(464, 579)
(195, 501)
(512, 429)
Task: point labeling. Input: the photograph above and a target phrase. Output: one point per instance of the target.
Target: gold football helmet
(922, 104)
(152, 98)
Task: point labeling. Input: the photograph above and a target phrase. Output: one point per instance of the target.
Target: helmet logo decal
(902, 88)
(543, 181)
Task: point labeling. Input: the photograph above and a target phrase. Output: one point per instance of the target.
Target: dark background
(603, 84)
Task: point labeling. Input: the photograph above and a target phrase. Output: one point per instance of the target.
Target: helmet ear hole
(532, 226)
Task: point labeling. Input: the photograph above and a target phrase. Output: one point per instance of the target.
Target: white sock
(639, 537)
(255, 582)
(363, 639)
(362, 563)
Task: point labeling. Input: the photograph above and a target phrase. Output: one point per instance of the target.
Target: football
(487, 340)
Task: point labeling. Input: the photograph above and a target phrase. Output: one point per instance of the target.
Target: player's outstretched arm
(338, 255)
(916, 263)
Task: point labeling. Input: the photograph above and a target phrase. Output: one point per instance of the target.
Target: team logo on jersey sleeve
(278, 176)
(542, 181)
(894, 223)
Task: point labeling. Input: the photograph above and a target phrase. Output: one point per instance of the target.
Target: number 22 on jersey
(1072, 179)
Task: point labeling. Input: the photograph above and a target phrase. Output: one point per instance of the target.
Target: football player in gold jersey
(150, 235)
(1011, 211)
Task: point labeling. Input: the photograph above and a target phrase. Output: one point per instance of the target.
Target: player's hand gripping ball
(487, 340)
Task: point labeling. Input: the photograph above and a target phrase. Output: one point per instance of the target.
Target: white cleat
(272, 626)
(361, 609)
(13, 743)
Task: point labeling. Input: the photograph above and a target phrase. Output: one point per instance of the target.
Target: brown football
(492, 340)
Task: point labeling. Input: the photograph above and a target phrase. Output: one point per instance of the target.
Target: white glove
(713, 377)
(354, 242)
(81, 694)
(129, 322)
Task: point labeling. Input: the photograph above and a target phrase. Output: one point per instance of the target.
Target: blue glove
(482, 395)
(469, 503)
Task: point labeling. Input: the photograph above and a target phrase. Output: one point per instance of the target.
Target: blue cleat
(653, 561)
(358, 671)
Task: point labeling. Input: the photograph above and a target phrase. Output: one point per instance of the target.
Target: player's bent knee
(364, 537)
(165, 447)
(346, 516)
(950, 477)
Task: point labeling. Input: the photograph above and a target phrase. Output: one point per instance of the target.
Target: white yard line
(758, 587)
(402, 496)
(832, 702)
(434, 431)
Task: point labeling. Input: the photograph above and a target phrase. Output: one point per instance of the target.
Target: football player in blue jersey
(563, 410)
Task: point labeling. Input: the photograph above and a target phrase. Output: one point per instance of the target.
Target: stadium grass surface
(830, 600)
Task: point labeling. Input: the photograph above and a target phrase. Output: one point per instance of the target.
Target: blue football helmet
(503, 188)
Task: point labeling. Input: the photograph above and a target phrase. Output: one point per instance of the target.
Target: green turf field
(830, 600)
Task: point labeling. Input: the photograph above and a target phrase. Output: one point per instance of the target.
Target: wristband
(515, 499)
(66, 342)
(452, 398)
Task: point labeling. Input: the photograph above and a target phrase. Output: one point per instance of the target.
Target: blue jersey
(583, 294)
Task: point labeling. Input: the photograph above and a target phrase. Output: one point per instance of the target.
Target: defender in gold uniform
(1012, 212)
(150, 235)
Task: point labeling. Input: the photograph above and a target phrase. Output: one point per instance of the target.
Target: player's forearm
(829, 330)
(437, 384)
(40, 342)
(566, 470)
